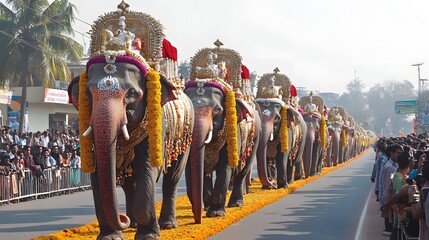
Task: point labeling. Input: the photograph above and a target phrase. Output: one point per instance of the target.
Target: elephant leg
(167, 219)
(207, 191)
(236, 198)
(144, 204)
(223, 176)
(282, 162)
(130, 190)
(291, 173)
(105, 230)
(299, 172)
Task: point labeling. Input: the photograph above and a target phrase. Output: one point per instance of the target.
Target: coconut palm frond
(6, 13)
(72, 49)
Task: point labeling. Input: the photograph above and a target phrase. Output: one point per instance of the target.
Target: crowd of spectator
(401, 177)
(38, 152)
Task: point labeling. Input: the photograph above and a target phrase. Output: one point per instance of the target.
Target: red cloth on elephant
(293, 91)
(245, 73)
(168, 50)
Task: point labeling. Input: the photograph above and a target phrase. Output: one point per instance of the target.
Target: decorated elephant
(316, 140)
(338, 132)
(135, 125)
(283, 131)
(226, 132)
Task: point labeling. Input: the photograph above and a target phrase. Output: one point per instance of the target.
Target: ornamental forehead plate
(109, 84)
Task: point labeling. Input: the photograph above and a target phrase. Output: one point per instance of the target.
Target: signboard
(13, 111)
(406, 107)
(5, 96)
(56, 96)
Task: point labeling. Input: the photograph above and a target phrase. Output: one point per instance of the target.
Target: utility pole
(419, 79)
(419, 116)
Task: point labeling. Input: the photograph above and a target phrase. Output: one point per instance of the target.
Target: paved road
(31, 219)
(329, 208)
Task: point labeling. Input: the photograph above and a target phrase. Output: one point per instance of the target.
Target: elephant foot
(168, 224)
(149, 236)
(133, 224)
(269, 187)
(282, 185)
(110, 234)
(218, 212)
(146, 236)
(236, 203)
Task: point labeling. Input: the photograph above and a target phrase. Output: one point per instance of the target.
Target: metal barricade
(4, 189)
(25, 185)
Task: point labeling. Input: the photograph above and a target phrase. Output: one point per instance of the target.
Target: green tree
(355, 101)
(36, 44)
(381, 100)
(185, 69)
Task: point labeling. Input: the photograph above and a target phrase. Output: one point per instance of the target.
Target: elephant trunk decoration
(270, 131)
(202, 130)
(111, 112)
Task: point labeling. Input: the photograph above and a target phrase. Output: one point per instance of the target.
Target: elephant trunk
(267, 131)
(308, 150)
(107, 121)
(336, 147)
(202, 127)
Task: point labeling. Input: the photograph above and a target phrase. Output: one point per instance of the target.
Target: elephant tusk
(125, 132)
(271, 136)
(209, 137)
(87, 132)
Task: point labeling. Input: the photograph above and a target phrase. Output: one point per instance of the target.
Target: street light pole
(419, 80)
(419, 115)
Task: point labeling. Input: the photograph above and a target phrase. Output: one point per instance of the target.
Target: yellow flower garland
(231, 129)
(343, 138)
(86, 155)
(154, 111)
(284, 134)
(322, 133)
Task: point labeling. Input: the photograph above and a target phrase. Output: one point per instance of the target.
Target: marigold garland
(86, 155)
(322, 134)
(343, 138)
(154, 111)
(254, 201)
(231, 128)
(284, 134)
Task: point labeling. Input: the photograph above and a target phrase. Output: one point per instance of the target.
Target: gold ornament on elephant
(141, 44)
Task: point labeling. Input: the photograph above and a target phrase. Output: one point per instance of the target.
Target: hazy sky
(319, 44)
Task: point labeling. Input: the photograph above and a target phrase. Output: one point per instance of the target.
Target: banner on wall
(13, 111)
(5, 96)
(56, 96)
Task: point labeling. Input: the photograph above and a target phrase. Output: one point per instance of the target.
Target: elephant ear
(73, 91)
(169, 91)
(244, 110)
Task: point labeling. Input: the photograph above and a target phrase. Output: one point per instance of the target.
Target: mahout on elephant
(317, 133)
(136, 123)
(226, 131)
(281, 144)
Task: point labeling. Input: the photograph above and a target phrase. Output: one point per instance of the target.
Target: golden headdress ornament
(274, 85)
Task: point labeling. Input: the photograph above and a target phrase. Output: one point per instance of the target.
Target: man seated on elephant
(310, 107)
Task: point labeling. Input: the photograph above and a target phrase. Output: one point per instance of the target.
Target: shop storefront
(47, 109)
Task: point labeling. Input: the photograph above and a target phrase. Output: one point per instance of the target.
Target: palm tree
(36, 43)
